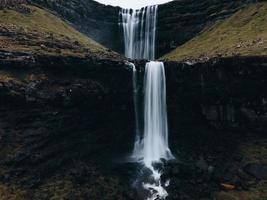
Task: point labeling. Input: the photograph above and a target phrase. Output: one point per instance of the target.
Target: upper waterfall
(139, 31)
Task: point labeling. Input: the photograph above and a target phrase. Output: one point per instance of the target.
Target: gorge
(72, 108)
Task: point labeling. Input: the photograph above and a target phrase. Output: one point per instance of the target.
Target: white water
(152, 146)
(155, 115)
(138, 144)
(139, 30)
(155, 140)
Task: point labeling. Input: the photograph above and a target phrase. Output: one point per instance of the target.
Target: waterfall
(155, 141)
(155, 115)
(151, 141)
(152, 146)
(138, 144)
(139, 31)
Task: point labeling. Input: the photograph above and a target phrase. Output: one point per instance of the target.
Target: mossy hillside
(244, 34)
(38, 25)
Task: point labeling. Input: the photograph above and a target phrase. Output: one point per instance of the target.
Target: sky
(135, 4)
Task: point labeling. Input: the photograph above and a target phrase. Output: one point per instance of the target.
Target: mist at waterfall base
(151, 141)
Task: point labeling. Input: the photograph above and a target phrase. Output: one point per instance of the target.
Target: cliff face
(63, 117)
(59, 116)
(224, 93)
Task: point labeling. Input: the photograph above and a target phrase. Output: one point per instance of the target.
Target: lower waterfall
(156, 144)
(152, 146)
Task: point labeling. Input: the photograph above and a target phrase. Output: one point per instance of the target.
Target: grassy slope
(244, 33)
(39, 26)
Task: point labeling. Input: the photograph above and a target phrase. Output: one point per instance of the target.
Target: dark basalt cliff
(59, 115)
(63, 116)
(227, 93)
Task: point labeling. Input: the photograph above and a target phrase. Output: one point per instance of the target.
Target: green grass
(244, 34)
(44, 23)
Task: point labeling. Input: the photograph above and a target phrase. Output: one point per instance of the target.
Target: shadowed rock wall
(223, 93)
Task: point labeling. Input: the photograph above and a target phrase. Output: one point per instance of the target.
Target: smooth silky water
(151, 131)
(139, 30)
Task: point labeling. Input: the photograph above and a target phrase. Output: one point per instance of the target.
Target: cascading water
(151, 147)
(155, 139)
(138, 144)
(155, 115)
(139, 30)
(154, 144)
